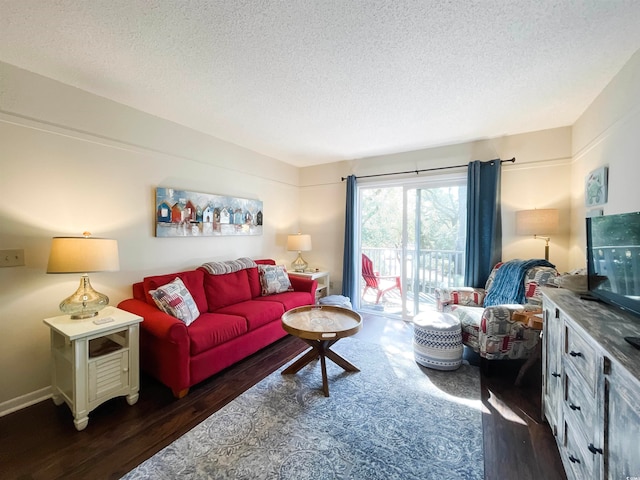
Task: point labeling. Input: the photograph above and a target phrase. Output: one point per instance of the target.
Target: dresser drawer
(581, 356)
(576, 454)
(579, 407)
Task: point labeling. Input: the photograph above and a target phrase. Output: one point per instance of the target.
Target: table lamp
(83, 255)
(536, 222)
(299, 243)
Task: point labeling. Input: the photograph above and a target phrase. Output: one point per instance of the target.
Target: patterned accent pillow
(274, 279)
(174, 299)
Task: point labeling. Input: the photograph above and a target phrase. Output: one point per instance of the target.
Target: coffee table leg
(325, 381)
(338, 360)
(320, 349)
(304, 360)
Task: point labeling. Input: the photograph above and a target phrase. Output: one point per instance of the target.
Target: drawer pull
(594, 450)
(554, 374)
(574, 407)
(575, 354)
(573, 459)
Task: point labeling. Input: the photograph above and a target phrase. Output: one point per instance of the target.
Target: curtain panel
(484, 221)
(350, 264)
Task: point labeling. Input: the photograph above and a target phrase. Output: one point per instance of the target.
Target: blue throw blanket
(508, 285)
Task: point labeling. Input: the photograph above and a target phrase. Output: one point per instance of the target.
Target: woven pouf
(437, 340)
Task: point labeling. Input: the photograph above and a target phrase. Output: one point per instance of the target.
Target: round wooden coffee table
(321, 326)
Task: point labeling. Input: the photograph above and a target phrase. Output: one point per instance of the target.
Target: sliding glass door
(435, 216)
(412, 233)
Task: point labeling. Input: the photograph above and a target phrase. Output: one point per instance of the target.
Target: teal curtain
(350, 259)
(484, 222)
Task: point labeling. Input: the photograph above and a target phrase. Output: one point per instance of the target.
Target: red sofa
(235, 320)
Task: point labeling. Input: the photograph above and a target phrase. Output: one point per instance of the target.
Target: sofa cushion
(288, 300)
(175, 300)
(470, 318)
(213, 329)
(535, 278)
(192, 279)
(254, 282)
(257, 313)
(274, 279)
(508, 286)
(492, 276)
(226, 289)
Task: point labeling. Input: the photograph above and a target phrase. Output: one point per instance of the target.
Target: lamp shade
(83, 255)
(537, 222)
(299, 243)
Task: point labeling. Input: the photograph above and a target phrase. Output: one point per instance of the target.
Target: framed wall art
(595, 189)
(182, 213)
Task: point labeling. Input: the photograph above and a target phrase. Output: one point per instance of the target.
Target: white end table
(93, 362)
(321, 277)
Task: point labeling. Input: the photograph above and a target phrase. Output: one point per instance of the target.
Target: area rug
(392, 420)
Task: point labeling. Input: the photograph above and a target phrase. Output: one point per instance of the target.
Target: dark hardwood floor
(40, 442)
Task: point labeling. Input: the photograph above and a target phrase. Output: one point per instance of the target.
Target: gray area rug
(392, 420)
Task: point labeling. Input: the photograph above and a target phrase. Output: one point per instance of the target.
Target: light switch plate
(12, 258)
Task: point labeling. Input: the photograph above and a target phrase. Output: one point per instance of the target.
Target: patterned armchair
(492, 331)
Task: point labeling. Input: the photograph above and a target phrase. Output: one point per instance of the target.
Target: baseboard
(24, 401)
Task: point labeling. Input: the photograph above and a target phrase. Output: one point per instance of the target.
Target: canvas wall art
(182, 213)
(595, 189)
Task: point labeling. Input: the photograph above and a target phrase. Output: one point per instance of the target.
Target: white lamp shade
(299, 243)
(537, 222)
(83, 255)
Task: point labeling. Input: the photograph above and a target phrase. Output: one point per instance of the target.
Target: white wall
(540, 178)
(550, 170)
(72, 161)
(608, 133)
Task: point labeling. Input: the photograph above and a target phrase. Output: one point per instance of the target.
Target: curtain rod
(511, 160)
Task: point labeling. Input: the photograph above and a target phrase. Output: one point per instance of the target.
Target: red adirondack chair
(380, 283)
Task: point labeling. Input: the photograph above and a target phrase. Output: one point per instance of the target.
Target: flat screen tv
(613, 260)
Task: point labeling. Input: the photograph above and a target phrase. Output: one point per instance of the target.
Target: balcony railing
(619, 268)
(426, 270)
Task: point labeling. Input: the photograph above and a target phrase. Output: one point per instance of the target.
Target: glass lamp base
(85, 302)
(299, 265)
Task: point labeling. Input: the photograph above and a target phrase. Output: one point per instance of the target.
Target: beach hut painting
(182, 213)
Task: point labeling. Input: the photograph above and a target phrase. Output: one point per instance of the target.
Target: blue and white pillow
(274, 279)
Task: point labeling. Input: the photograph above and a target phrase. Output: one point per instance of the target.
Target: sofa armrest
(502, 337)
(164, 345)
(498, 318)
(301, 284)
(156, 322)
(467, 296)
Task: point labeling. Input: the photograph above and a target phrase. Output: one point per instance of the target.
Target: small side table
(321, 277)
(321, 326)
(93, 362)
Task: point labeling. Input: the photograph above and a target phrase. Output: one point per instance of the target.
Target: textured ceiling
(315, 81)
